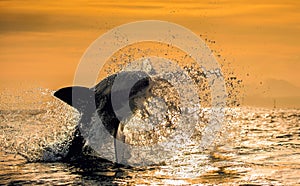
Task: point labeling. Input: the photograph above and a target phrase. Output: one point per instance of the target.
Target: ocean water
(259, 146)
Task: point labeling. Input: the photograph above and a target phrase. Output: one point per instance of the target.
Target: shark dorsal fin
(81, 98)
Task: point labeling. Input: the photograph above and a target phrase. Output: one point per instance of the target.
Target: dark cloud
(131, 7)
(40, 22)
(16, 22)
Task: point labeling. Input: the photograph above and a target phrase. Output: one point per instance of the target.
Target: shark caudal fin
(81, 98)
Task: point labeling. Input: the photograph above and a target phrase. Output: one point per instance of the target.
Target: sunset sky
(42, 41)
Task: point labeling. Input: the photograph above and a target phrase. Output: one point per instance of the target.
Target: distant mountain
(280, 88)
(272, 91)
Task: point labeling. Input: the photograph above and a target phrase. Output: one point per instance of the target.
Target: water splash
(33, 120)
(51, 123)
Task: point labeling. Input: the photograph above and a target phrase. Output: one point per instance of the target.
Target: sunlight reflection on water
(262, 147)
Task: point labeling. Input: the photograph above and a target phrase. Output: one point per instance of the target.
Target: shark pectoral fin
(121, 149)
(81, 98)
(121, 152)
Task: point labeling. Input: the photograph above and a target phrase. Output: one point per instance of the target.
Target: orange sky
(42, 41)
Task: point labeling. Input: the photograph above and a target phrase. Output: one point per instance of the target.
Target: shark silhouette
(98, 99)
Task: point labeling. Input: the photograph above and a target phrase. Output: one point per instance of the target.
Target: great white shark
(98, 100)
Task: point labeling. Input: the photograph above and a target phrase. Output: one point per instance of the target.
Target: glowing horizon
(42, 42)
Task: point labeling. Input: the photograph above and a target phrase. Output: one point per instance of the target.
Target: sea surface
(259, 146)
